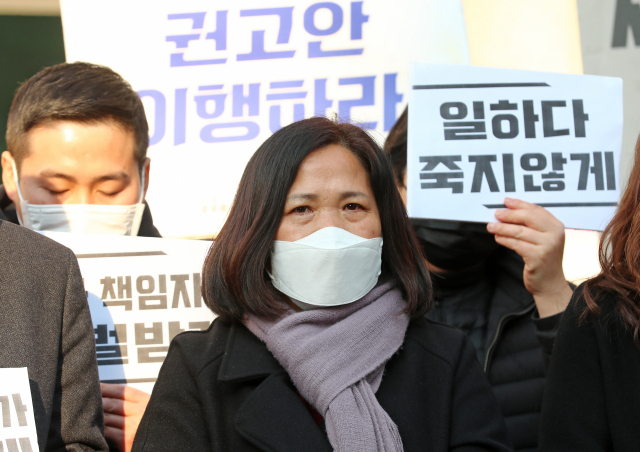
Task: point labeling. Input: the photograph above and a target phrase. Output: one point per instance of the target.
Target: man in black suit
(45, 326)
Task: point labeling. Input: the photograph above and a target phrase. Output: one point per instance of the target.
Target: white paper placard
(478, 135)
(16, 409)
(217, 78)
(142, 292)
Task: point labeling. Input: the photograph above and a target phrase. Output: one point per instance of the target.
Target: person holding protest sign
(503, 285)
(46, 327)
(591, 400)
(76, 161)
(321, 342)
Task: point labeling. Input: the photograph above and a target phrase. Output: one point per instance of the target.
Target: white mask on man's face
(82, 218)
(330, 267)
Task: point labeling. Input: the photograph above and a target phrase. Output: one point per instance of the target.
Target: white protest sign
(142, 292)
(477, 135)
(18, 423)
(217, 78)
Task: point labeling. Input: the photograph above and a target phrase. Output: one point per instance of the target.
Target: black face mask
(454, 245)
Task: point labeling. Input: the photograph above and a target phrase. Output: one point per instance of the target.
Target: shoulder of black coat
(440, 340)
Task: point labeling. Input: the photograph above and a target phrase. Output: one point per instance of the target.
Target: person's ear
(146, 167)
(8, 177)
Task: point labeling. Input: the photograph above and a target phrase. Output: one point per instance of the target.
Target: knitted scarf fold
(336, 357)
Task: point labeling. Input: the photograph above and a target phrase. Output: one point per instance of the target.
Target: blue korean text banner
(217, 78)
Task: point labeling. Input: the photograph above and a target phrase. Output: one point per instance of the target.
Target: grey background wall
(27, 44)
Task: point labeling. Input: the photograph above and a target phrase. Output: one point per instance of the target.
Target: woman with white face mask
(321, 344)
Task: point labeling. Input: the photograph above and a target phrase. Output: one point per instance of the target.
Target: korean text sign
(478, 135)
(142, 292)
(217, 78)
(18, 422)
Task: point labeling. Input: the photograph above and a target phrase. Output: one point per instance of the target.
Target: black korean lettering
(141, 332)
(465, 130)
(597, 170)
(527, 162)
(434, 160)
(548, 127)
(6, 411)
(530, 119)
(579, 118)
(21, 409)
(180, 289)
(442, 180)
(557, 161)
(483, 170)
(610, 171)
(478, 110)
(509, 173)
(25, 444)
(498, 121)
(111, 355)
(119, 333)
(145, 284)
(627, 16)
(583, 176)
(447, 110)
(197, 291)
(102, 334)
(553, 185)
(108, 291)
(499, 132)
(124, 287)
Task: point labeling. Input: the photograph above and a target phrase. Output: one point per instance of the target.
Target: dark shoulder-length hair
(235, 274)
(619, 256)
(395, 146)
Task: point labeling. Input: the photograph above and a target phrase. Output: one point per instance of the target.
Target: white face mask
(82, 218)
(330, 267)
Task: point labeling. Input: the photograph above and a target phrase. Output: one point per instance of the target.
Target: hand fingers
(115, 435)
(123, 392)
(123, 407)
(518, 232)
(532, 216)
(519, 246)
(115, 421)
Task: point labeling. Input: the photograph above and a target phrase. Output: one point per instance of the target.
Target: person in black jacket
(76, 159)
(506, 294)
(320, 343)
(45, 326)
(592, 399)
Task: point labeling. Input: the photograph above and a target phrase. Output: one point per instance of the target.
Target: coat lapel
(273, 418)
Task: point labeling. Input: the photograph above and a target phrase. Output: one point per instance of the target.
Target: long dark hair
(235, 278)
(620, 258)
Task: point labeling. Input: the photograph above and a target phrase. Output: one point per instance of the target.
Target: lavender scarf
(336, 357)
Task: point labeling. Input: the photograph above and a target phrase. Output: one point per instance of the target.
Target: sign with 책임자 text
(477, 135)
(218, 78)
(142, 292)
(18, 432)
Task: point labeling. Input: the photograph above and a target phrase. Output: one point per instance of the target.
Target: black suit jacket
(222, 390)
(45, 326)
(592, 398)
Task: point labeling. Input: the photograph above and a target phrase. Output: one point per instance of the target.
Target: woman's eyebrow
(303, 197)
(353, 194)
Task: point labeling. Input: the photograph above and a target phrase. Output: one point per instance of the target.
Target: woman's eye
(301, 209)
(55, 192)
(353, 206)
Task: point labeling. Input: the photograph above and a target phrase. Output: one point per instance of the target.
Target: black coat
(517, 345)
(45, 326)
(592, 398)
(222, 390)
(8, 213)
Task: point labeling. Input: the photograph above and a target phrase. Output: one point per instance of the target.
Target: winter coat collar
(273, 417)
